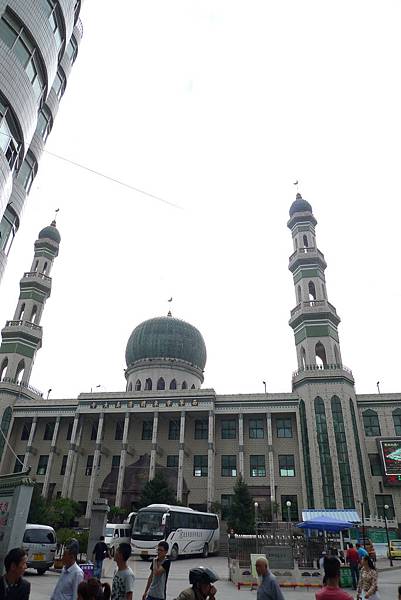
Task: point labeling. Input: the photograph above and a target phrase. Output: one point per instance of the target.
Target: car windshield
(39, 536)
(396, 543)
(148, 523)
(109, 531)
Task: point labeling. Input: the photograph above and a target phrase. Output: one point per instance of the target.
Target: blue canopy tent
(325, 524)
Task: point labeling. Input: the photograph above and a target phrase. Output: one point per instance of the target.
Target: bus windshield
(148, 525)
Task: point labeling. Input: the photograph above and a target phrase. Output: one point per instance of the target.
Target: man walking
(353, 561)
(70, 577)
(123, 580)
(12, 585)
(269, 589)
(100, 552)
(157, 582)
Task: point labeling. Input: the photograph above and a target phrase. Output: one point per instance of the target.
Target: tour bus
(186, 531)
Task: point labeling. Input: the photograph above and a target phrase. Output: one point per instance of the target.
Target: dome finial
(55, 217)
(169, 314)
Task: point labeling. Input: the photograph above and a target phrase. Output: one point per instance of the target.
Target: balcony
(37, 275)
(26, 324)
(306, 256)
(313, 304)
(23, 385)
(327, 371)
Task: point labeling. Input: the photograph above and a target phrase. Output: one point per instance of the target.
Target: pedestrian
(399, 592)
(70, 577)
(341, 557)
(100, 552)
(268, 589)
(361, 551)
(332, 590)
(12, 585)
(202, 588)
(367, 586)
(159, 570)
(321, 560)
(93, 590)
(353, 560)
(123, 580)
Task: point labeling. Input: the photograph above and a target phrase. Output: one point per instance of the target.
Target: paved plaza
(41, 587)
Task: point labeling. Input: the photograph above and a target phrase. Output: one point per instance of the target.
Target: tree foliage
(240, 514)
(38, 509)
(157, 491)
(62, 512)
(116, 514)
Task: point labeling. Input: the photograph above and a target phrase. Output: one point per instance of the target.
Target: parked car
(395, 549)
(39, 542)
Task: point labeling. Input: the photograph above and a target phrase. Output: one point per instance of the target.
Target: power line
(10, 448)
(113, 179)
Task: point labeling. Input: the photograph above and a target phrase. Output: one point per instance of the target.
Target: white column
(272, 478)
(98, 448)
(7, 446)
(30, 442)
(210, 462)
(241, 444)
(152, 467)
(51, 458)
(71, 453)
(180, 478)
(123, 459)
(75, 460)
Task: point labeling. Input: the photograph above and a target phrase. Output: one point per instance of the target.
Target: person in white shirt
(70, 577)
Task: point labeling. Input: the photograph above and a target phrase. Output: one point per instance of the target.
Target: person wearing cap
(201, 580)
(268, 589)
(71, 575)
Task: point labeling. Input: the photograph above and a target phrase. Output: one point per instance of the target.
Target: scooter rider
(201, 580)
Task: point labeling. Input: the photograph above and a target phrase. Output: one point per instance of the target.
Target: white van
(115, 534)
(39, 542)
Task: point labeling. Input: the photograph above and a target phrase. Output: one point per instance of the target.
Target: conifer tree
(240, 515)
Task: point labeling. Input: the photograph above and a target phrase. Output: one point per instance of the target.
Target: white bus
(185, 530)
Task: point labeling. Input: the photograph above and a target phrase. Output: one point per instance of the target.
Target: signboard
(279, 557)
(391, 456)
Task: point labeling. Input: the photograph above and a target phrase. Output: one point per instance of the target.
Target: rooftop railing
(37, 275)
(22, 384)
(27, 324)
(306, 251)
(312, 304)
(326, 367)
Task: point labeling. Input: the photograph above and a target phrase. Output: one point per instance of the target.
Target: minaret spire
(22, 337)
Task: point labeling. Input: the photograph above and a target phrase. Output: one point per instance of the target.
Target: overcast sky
(218, 106)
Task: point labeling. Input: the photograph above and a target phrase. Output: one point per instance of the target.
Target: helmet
(202, 575)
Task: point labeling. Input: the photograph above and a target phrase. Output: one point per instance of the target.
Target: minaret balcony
(9, 384)
(40, 280)
(322, 373)
(27, 329)
(321, 308)
(306, 256)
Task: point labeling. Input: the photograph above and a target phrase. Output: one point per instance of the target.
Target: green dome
(300, 205)
(163, 338)
(51, 232)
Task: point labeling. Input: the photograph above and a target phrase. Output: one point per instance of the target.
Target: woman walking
(367, 586)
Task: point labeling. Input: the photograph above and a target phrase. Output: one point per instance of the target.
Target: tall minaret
(22, 337)
(334, 461)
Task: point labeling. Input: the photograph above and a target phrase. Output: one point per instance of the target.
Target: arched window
(295, 244)
(397, 421)
(20, 371)
(148, 384)
(326, 467)
(21, 312)
(193, 386)
(337, 356)
(161, 384)
(306, 454)
(320, 352)
(45, 267)
(138, 385)
(312, 291)
(184, 385)
(173, 384)
(299, 293)
(5, 426)
(371, 423)
(34, 313)
(303, 357)
(342, 453)
(305, 238)
(3, 368)
(36, 266)
(129, 387)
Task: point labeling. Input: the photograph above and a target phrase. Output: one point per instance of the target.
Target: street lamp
(48, 393)
(256, 525)
(288, 504)
(386, 507)
(363, 522)
(265, 384)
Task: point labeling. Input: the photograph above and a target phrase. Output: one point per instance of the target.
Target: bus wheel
(205, 552)
(174, 552)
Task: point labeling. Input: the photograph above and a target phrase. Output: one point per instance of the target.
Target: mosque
(320, 446)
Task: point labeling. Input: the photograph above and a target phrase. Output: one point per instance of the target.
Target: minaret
(330, 431)
(22, 337)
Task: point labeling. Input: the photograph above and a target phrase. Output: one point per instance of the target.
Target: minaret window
(320, 355)
(148, 384)
(34, 313)
(138, 385)
(3, 368)
(193, 386)
(305, 240)
(21, 312)
(303, 357)
(20, 371)
(161, 384)
(36, 266)
(312, 291)
(184, 385)
(45, 268)
(173, 384)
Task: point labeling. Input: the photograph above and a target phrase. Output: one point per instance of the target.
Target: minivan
(115, 534)
(39, 542)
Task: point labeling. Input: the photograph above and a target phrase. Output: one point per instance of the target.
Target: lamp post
(288, 505)
(48, 393)
(256, 525)
(386, 507)
(363, 523)
(265, 384)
